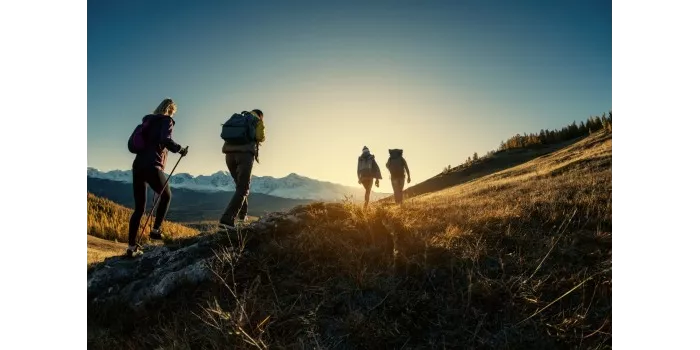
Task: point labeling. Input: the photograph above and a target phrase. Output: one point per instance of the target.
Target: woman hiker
(147, 169)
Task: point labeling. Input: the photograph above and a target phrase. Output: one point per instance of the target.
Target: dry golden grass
(108, 220)
(517, 259)
(99, 249)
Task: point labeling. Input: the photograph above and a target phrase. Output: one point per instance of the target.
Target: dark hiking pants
(154, 178)
(240, 165)
(367, 183)
(397, 184)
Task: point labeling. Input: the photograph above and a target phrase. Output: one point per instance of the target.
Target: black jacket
(159, 142)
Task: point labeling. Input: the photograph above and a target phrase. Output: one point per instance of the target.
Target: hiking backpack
(239, 129)
(395, 163)
(137, 140)
(365, 167)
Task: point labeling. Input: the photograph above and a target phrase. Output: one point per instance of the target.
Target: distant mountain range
(292, 186)
(188, 205)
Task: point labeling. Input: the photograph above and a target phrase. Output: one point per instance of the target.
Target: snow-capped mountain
(291, 186)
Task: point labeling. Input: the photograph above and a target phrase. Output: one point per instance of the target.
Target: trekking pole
(156, 199)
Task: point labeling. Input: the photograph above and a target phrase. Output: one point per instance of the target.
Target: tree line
(547, 137)
(571, 131)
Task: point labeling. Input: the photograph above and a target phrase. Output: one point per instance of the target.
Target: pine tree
(589, 124)
(572, 131)
(598, 123)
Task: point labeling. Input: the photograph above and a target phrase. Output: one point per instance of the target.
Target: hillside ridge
(520, 258)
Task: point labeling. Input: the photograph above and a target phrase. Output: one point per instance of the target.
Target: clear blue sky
(440, 79)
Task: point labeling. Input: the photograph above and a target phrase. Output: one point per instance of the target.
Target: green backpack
(240, 128)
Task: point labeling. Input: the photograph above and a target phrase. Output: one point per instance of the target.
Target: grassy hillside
(187, 205)
(108, 220)
(485, 166)
(516, 150)
(518, 259)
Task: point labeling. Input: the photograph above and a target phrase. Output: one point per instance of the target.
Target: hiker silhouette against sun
(367, 170)
(398, 168)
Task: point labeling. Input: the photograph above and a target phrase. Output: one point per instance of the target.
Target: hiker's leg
(232, 166)
(139, 184)
(244, 173)
(156, 180)
(395, 187)
(367, 183)
(241, 167)
(400, 189)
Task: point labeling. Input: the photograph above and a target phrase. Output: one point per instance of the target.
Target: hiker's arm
(379, 171)
(405, 166)
(358, 170)
(166, 138)
(260, 131)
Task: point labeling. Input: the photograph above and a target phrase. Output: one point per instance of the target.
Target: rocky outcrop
(163, 269)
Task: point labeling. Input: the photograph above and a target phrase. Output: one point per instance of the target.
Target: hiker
(398, 168)
(148, 167)
(242, 135)
(367, 169)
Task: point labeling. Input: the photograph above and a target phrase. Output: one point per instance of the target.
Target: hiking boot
(240, 223)
(155, 234)
(134, 251)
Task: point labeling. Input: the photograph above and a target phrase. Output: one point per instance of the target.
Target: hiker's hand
(409, 180)
(376, 182)
(183, 151)
(359, 182)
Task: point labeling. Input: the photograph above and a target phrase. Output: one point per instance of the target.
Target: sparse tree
(475, 157)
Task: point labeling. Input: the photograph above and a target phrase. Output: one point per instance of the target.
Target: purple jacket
(159, 142)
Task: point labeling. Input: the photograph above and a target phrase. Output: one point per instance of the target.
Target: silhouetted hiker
(151, 143)
(367, 170)
(398, 169)
(242, 135)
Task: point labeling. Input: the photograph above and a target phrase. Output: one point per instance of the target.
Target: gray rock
(156, 274)
(163, 269)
